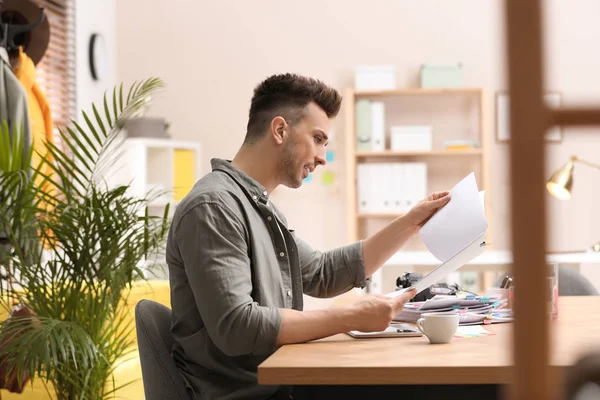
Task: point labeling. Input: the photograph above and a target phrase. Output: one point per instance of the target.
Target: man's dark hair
(287, 95)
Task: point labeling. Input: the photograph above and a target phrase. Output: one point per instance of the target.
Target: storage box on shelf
(411, 137)
(375, 77)
(403, 144)
(442, 76)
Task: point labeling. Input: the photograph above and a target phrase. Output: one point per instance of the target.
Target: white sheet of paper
(474, 249)
(458, 223)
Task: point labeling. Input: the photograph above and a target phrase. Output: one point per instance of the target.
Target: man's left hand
(426, 208)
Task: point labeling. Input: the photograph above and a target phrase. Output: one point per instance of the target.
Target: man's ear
(278, 129)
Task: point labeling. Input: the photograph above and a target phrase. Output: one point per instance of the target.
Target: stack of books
(472, 309)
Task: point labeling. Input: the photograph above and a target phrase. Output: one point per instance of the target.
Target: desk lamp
(561, 183)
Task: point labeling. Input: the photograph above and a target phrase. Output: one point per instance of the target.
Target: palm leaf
(99, 120)
(121, 98)
(32, 344)
(92, 129)
(17, 201)
(107, 110)
(88, 152)
(78, 144)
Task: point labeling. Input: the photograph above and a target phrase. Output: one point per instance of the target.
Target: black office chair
(160, 375)
(572, 283)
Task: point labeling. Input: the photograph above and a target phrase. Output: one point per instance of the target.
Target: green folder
(363, 125)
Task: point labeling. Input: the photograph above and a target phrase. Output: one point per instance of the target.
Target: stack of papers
(455, 235)
(472, 310)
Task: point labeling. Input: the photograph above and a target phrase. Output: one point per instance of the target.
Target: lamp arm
(589, 164)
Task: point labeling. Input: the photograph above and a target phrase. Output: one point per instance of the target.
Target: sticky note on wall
(328, 177)
(330, 156)
(184, 173)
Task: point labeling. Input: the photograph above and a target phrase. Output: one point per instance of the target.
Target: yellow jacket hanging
(40, 116)
(41, 124)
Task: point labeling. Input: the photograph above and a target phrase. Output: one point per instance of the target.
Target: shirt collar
(255, 190)
(4, 55)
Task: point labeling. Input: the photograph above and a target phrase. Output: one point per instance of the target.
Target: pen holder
(504, 294)
(551, 291)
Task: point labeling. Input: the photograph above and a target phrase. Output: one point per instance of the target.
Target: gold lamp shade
(561, 182)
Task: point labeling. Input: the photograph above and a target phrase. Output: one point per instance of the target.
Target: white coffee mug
(438, 327)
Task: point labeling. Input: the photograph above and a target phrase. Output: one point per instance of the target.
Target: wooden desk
(341, 359)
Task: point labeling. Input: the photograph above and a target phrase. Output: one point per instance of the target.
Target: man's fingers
(438, 195)
(410, 293)
(442, 201)
(399, 301)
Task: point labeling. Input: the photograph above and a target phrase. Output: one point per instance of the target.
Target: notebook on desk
(394, 330)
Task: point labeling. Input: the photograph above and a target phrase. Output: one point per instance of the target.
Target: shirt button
(289, 293)
(269, 218)
(254, 198)
(281, 254)
(265, 192)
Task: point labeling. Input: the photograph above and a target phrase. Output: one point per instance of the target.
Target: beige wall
(211, 54)
(94, 16)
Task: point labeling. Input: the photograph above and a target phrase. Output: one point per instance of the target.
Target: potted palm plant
(73, 246)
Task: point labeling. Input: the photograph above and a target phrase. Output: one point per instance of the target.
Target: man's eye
(318, 139)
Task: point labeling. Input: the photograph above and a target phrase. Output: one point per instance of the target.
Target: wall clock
(98, 57)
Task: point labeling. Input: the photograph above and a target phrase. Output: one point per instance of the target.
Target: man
(238, 273)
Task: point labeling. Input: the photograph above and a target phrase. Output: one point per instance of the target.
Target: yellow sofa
(128, 369)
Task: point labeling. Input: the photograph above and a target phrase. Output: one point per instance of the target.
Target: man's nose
(320, 158)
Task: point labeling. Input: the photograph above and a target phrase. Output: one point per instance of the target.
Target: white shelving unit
(152, 164)
(460, 113)
(158, 164)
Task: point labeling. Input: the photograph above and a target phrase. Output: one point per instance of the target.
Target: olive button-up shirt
(233, 264)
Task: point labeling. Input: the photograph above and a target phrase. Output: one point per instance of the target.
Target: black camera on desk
(409, 278)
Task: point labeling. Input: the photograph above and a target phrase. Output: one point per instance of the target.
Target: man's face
(304, 147)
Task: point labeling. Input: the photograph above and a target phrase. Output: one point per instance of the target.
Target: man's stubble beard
(287, 166)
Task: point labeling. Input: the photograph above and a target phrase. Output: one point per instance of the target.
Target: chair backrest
(160, 375)
(570, 283)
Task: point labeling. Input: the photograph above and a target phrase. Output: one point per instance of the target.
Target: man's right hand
(376, 312)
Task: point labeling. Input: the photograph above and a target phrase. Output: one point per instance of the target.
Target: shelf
(379, 215)
(162, 143)
(158, 203)
(441, 152)
(476, 121)
(418, 92)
